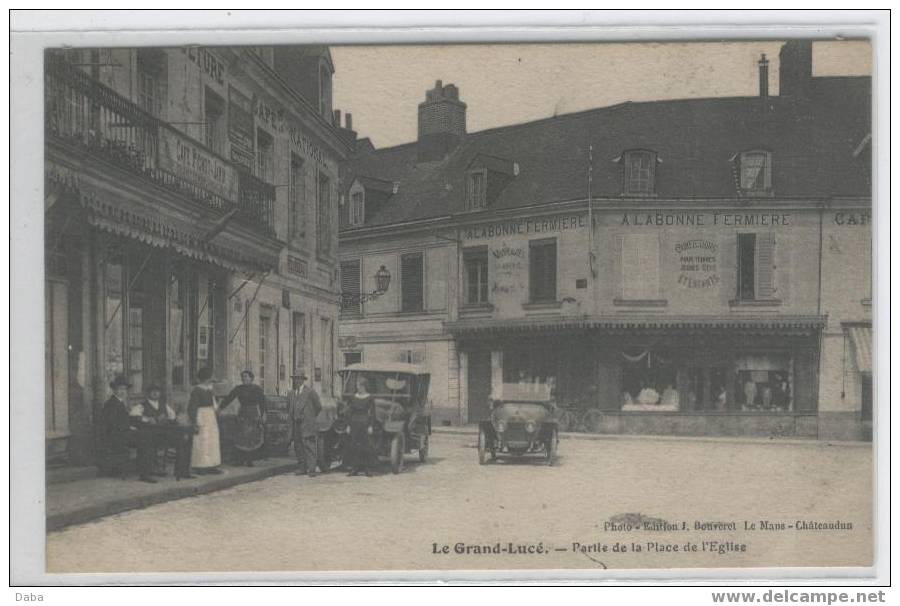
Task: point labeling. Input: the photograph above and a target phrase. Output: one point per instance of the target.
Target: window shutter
(640, 266)
(350, 285)
(542, 271)
(765, 266)
(411, 282)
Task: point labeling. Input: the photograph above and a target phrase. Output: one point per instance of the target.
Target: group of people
(152, 425)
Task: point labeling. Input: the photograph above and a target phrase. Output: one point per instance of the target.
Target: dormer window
(357, 215)
(639, 172)
(476, 190)
(755, 171)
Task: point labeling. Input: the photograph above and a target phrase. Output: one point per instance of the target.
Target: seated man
(119, 434)
(168, 433)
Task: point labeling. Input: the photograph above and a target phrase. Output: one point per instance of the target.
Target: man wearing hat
(304, 406)
(118, 432)
(152, 411)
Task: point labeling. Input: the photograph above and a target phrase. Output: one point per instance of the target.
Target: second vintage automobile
(403, 420)
(522, 422)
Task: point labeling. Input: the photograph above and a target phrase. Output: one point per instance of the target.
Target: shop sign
(208, 63)
(525, 227)
(697, 264)
(184, 158)
(509, 269)
(722, 219)
(276, 120)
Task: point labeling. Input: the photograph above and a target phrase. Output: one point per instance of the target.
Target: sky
(503, 84)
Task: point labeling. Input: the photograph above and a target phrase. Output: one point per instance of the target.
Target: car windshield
(527, 392)
(394, 386)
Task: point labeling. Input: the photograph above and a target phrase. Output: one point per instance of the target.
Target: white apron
(205, 452)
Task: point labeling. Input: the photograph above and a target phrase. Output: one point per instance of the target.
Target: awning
(170, 232)
(861, 337)
(622, 324)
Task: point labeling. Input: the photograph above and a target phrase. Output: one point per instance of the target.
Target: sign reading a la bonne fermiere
(184, 158)
(525, 227)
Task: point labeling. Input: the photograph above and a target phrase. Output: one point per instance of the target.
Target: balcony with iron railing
(85, 114)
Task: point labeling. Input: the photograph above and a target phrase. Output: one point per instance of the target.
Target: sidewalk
(472, 430)
(87, 497)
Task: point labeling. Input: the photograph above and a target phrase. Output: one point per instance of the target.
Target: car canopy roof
(400, 367)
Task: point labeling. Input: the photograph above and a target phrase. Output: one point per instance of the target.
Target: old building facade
(191, 212)
(697, 267)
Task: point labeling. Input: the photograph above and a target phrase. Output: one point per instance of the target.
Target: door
(479, 377)
(56, 359)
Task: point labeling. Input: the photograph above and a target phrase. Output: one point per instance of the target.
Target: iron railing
(83, 113)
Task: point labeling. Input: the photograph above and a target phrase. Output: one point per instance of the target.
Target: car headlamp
(530, 426)
(501, 425)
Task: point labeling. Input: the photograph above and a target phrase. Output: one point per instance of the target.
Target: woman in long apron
(251, 418)
(205, 454)
(361, 412)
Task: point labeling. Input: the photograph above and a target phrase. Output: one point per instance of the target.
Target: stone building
(697, 266)
(191, 220)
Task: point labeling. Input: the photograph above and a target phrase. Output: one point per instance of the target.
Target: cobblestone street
(291, 523)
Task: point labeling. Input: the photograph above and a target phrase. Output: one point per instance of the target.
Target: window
(542, 270)
(150, 78)
(298, 197)
(755, 267)
(755, 169)
(214, 110)
(350, 286)
(640, 267)
(265, 163)
(357, 209)
(475, 286)
(327, 333)
(177, 325)
(298, 341)
(412, 293)
(323, 215)
(266, 370)
(476, 193)
(325, 93)
(639, 172)
(352, 357)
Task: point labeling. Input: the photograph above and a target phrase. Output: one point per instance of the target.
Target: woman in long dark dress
(361, 414)
(251, 418)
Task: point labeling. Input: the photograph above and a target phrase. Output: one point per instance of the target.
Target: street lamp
(382, 282)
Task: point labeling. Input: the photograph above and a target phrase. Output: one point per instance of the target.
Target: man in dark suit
(166, 433)
(304, 406)
(118, 432)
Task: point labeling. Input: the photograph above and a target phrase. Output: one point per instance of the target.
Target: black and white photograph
(591, 305)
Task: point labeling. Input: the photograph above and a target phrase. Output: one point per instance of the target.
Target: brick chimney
(795, 69)
(442, 122)
(763, 77)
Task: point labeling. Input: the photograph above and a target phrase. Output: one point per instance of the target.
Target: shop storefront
(699, 377)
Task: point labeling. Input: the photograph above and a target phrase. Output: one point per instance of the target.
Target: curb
(471, 431)
(93, 512)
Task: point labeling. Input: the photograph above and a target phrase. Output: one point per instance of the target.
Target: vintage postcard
(597, 306)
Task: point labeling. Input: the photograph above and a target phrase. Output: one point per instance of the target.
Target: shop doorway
(479, 378)
(56, 359)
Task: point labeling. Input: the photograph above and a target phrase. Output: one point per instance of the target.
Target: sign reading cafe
(276, 120)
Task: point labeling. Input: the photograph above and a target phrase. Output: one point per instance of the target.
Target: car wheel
(482, 446)
(397, 448)
(423, 449)
(552, 446)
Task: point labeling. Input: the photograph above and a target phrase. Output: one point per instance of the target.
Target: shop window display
(764, 383)
(649, 382)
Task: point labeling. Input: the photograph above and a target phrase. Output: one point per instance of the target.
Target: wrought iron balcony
(83, 113)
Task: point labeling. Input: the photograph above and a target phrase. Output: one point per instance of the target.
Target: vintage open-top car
(522, 422)
(403, 419)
